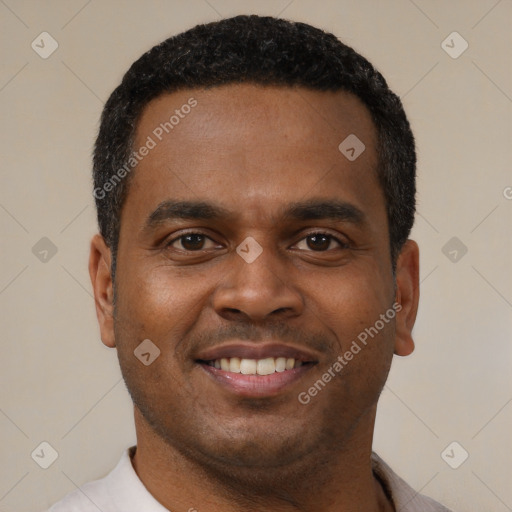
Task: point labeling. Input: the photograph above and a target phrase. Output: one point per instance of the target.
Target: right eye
(191, 242)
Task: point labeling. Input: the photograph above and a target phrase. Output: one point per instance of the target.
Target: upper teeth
(255, 366)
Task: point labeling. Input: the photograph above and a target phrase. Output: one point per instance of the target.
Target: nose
(258, 290)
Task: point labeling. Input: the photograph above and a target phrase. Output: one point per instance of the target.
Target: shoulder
(120, 491)
(99, 494)
(404, 497)
(90, 497)
(85, 499)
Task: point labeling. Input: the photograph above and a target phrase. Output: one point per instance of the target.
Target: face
(249, 241)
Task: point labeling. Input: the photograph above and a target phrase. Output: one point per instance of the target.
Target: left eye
(320, 242)
(191, 242)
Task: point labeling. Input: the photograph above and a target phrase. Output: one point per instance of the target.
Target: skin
(253, 151)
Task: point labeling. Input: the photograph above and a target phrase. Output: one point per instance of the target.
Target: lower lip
(257, 385)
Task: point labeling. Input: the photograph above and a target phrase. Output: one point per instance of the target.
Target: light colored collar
(401, 494)
(129, 494)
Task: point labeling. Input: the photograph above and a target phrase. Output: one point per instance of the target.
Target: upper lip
(250, 350)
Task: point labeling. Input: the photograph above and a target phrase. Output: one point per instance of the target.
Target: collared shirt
(123, 491)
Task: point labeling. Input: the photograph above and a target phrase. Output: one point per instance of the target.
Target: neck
(329, 481)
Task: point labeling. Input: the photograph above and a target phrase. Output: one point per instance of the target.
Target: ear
(100, 259)
(407, 296)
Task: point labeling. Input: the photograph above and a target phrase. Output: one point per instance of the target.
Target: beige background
(61, 385)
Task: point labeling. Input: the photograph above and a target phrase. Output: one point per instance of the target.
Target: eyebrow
(189, 210)
(300, 211)
(325, 209)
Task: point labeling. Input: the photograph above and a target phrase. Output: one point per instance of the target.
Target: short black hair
(260, 50)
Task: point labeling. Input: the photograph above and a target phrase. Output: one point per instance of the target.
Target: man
(255, 187)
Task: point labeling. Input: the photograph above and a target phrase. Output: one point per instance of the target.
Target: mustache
(275, 332)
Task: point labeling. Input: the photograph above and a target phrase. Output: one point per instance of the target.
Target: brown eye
(190, 242)
(319, 242)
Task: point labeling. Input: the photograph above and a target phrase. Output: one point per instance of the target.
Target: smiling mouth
(256, 378)
(266, 366)
(256, 370)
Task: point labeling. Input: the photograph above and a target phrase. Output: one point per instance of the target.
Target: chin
(259, 464)
(261, 444)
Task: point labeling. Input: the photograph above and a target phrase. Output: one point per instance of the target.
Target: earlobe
(407, 297)
(101, 279)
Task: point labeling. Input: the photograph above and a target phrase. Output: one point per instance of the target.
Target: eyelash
(343, 245)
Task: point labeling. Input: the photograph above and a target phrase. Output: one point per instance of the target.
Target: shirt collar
(129, 494)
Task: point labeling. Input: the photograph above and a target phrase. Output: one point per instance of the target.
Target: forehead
(252, 146)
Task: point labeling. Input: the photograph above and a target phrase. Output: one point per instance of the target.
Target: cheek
(353, 301)
(157, 301)
(351, 306)
(151, 308)
(161, 306)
